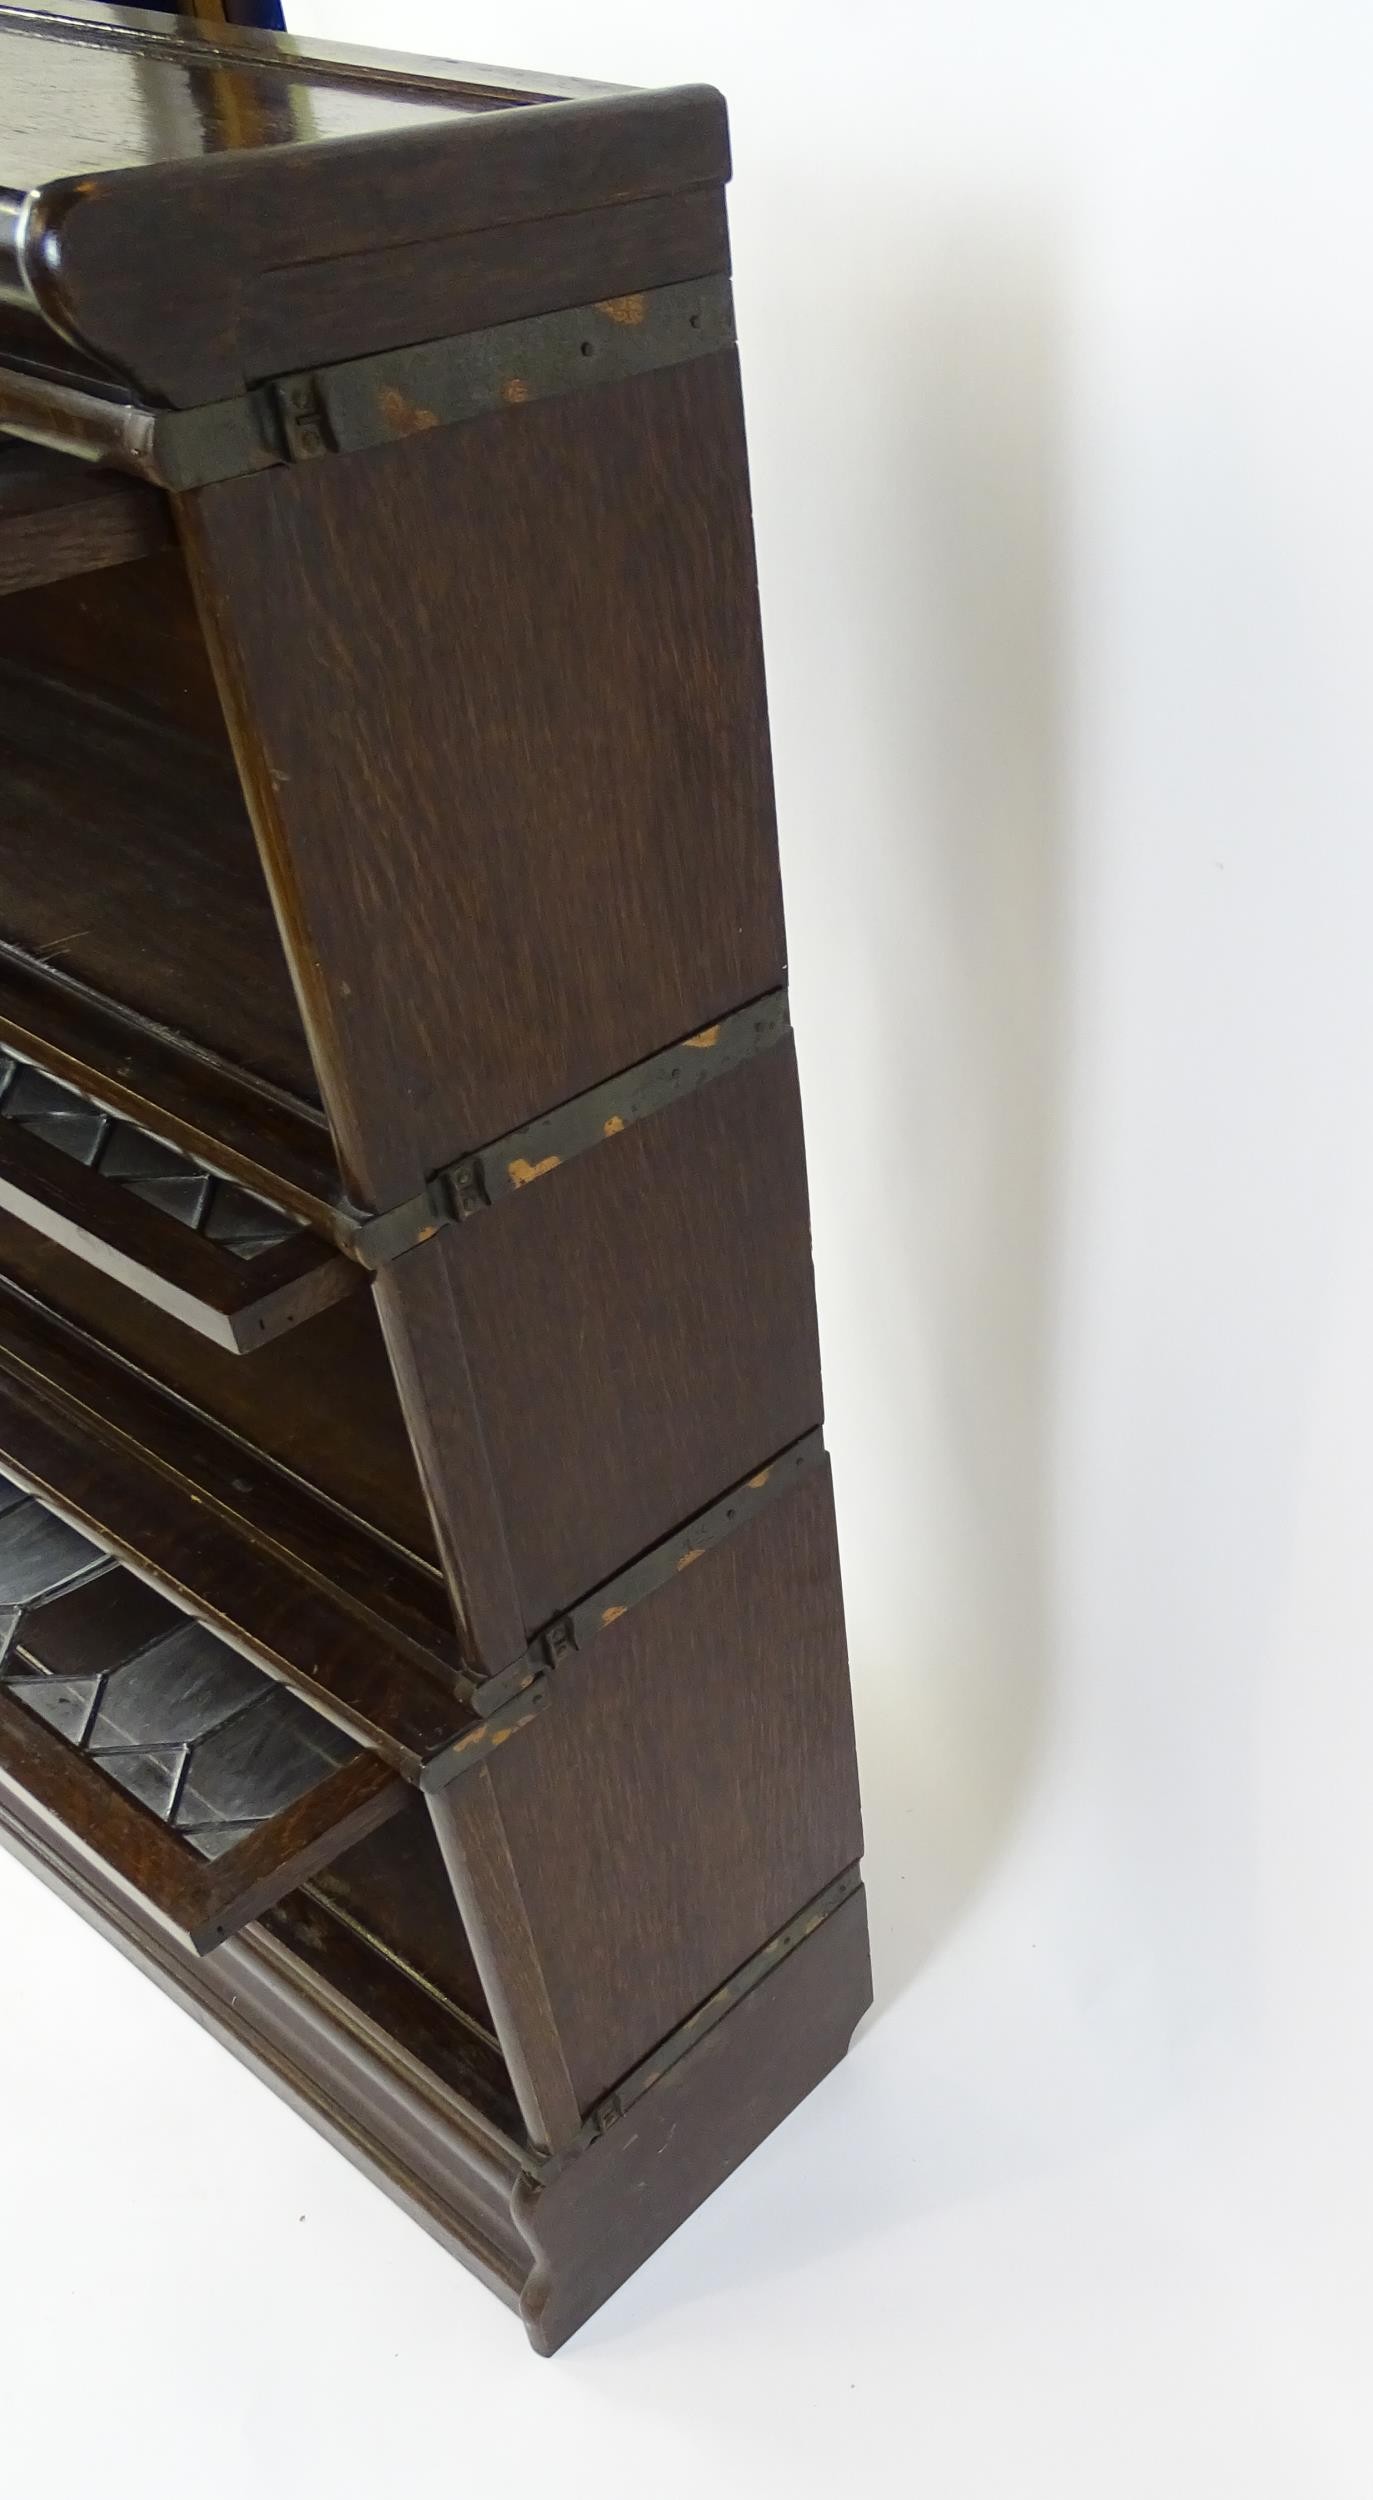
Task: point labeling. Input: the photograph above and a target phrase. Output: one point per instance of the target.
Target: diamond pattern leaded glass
(203, 1739)
(118, 1151)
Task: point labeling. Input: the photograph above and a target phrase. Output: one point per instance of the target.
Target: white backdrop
(1057, 355)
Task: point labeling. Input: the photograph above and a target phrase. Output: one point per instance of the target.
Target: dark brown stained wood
(237, 1303)
(290, 199)
(460, 282)
(58, 518)
(419, 1321)
(395, 2007)
(486, 1887)
(392, 1892)
(551, 791)
(389, 895)
(594, 2221)
(131, 633)
(204, 1903)
(228, 1539)
(675, 1345)
(97, 802)
(323, 1404)
(691, 1786)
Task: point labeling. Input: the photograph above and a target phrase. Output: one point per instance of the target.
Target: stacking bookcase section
(448, 1701)
(654, 1389)
(713, 1678)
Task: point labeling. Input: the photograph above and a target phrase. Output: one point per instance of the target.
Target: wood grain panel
(419, 1321)
(133, 263)
(604, 2213)
(102, 801)
(529, 830)
(692, 1786)
(640, 1328)
(410, 291)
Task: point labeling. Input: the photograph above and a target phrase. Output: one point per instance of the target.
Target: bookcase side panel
(496, 691)
(690, 1788)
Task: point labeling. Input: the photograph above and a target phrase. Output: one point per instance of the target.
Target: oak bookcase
(422, 1645)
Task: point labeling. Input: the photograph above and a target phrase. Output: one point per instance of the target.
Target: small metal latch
(301, 417)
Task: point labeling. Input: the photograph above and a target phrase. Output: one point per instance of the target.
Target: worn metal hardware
(467, 1751)
(378, 1239)
(494, 1172)
(300, 415)
(616, 2105)
(526, 1154)
(583, 1623)
(176, 448)
(490, 1693)
(370, 400)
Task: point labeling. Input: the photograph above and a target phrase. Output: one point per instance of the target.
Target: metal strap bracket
(505, 1702)
(616, 2105)
(373, 400)
(463, 1189)
(368, 401)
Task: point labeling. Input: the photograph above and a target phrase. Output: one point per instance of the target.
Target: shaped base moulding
(552, 2238)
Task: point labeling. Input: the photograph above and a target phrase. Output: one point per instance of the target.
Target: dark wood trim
(476, 1851)
(202, 1902)
(414, 1300)
(226, 1540)
(236, 1303)
(57, 518)
(176, 330)
(594, 2223)
(409, 291)
(218, 1114)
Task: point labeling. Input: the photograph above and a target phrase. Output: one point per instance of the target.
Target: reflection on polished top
(109, 87)
(74, 110)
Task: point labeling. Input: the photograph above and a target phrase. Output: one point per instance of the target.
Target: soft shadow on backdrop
(932, 902)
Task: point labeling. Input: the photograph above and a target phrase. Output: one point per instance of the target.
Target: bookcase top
(187, 209)
(86, 88)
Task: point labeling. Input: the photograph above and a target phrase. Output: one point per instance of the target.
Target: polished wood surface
(312, 158)
(74, 106)
(389, 837)
(675, 1349)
